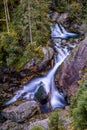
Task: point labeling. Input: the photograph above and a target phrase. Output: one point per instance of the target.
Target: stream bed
(43, 89)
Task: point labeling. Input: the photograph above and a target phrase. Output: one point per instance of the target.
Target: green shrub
(62, 6)
(10, 48)
(85, 17)
(75, 10)
(31, 51)
(37, 128)
(16, 54)
(55, 123)
(39, 21)
(78, 107)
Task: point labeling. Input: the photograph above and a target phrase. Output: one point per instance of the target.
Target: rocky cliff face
(71, 69)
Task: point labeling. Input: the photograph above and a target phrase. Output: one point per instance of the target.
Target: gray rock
(48, 54)
(21, 112)
(62, 17)
(42, 123)
(30, 63)
(10, 125)
(70, 74)
(54, 16)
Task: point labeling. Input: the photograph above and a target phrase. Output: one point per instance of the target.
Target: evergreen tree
(39, 30)
(6, 14)
(79, 107)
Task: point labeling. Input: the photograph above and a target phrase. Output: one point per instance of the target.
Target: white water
(29, 90)
(48, 83)
(58, 31)
(67, 33)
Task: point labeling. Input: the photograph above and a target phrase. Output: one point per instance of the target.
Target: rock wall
(71, 68)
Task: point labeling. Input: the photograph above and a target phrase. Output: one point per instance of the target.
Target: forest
(24, 24)
(24, 31)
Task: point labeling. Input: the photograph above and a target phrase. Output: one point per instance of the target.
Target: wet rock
(48, 54)
(21, 112)
(60, 18)
(54, 16)
(56, 41)
(64, 42)
(41, 94)
(63, 17)
(69, 76)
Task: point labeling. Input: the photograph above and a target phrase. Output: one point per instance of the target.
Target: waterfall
(70, 35)
(58, 31)
(28, 91)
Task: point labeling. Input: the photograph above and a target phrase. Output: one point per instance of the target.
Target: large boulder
(60, 18)
(71, 69)
(63, 17)
(48, 55)
(21, 112)
(54, 16)
(32, 62)
(11, 125)
(41, 94)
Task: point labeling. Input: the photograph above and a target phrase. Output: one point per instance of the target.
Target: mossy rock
(17, 54)
(37, 128)
(31, 51)
(41, 94)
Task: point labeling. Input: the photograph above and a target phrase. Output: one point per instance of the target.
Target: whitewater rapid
(28, 91)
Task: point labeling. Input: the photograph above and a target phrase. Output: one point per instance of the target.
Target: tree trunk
(30, 29)
(7, 11)
(7, 14)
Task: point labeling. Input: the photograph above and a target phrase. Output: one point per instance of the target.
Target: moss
(78, 107)
(55, 123)
(62, 7)
(15, 53)
(31, 51)
(37, 128)
(75, 8)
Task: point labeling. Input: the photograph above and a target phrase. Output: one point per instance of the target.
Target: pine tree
(79, 107)
(7, 14)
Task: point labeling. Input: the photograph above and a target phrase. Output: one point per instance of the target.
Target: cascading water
(56, 99)
(58, 31)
